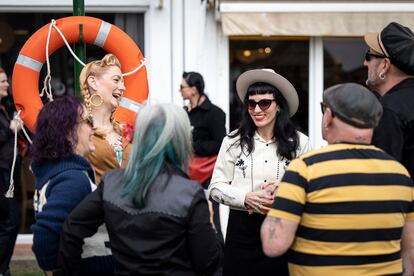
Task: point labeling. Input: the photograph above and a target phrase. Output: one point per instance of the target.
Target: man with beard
(390, 63)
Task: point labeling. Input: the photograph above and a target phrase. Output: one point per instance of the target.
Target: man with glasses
(390, 63)
(345, 209)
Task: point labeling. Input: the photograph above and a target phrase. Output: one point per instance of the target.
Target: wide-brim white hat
(271, 77)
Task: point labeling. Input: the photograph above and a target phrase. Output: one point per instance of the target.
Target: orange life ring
(32, 56)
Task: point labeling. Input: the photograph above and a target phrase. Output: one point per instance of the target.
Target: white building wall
(183, 35)
(158, 51)
(66, 5)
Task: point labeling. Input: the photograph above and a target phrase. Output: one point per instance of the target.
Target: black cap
(353, 104)
(395, 42)
(399, 43)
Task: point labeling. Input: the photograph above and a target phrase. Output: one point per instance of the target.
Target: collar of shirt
(206, 104)
(406, 83)
(259, 138)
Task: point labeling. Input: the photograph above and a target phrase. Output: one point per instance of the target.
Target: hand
(271, 187)
(258, 201)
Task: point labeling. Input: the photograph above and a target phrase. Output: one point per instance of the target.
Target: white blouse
(235, 173)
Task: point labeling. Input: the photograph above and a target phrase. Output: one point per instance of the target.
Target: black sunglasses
(369, 56)
(263, 104)
(88, 120)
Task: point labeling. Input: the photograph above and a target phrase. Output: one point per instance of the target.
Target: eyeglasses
(369, 56)
(324, 106)
(88, 120)
(263, 104)
(182, 87)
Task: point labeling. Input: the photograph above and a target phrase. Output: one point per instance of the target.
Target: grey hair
(176, 129)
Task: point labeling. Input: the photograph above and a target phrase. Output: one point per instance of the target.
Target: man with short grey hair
(347, 208)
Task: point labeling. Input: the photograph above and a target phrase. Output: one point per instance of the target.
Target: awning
(330, 18)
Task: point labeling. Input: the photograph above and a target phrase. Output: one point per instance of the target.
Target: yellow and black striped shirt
(351, 203)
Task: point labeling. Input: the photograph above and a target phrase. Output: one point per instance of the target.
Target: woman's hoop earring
(96, 104)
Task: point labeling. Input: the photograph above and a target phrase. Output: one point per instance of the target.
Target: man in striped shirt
(345, 209)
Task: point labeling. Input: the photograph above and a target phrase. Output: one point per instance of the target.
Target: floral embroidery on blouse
(117, 146)
(240, 164)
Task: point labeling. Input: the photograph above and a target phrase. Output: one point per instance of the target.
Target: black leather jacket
(171, 235)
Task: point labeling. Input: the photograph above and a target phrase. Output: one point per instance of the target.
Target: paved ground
(24, 262)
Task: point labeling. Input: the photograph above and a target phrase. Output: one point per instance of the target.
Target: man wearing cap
(390, 63)
(345, 209)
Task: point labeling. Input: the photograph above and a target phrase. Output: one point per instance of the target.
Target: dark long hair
(56, 124)
(287, 140)
(196, 80)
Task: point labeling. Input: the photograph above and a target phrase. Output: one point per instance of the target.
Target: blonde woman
(102, 86)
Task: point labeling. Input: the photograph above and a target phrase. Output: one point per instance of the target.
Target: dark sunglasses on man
(263, 104)
(369, 55)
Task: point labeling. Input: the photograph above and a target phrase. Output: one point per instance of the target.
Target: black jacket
(6, 141)
(171, 235)
(208, 122)
(395, 131)
(6, 159)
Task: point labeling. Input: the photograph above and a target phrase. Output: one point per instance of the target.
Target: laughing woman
(64, 177)
(250, 164)
(102, 86)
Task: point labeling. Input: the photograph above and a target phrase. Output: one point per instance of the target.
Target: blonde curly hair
(97, 68)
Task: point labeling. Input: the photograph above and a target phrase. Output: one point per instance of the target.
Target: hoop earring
(382, 76)
(95, 104)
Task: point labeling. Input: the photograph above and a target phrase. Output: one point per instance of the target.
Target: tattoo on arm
(273, 223)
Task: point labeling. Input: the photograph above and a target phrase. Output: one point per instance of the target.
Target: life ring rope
(10, 191)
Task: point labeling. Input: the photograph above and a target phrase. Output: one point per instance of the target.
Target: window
(343, 61)
(288, 57)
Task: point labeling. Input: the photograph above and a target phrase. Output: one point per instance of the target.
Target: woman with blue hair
(157, 219)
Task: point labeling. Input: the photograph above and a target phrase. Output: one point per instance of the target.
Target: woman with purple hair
(64, 177)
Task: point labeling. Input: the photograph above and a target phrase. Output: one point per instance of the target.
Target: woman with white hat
(250, 164)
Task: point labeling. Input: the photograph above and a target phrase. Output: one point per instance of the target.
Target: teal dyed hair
(162, 136)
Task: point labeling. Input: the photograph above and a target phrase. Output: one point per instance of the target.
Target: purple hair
(56, 129)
